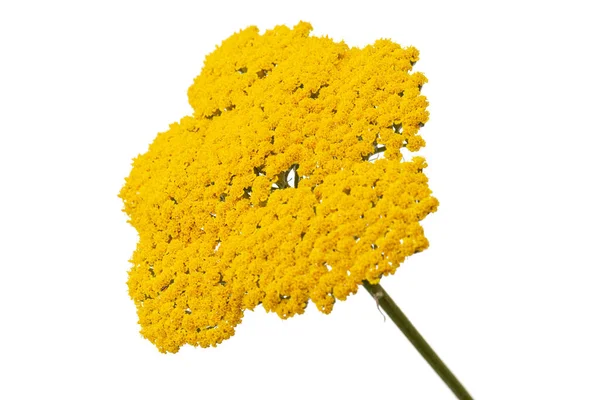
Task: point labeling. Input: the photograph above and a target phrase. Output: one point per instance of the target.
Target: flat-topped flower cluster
(269, 194)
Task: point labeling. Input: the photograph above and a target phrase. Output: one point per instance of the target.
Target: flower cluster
(269, 193)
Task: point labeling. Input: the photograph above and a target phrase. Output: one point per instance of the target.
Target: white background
(507, 293)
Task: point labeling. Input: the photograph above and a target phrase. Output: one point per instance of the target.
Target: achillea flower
(269, 193)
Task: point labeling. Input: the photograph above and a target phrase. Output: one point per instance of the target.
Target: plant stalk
(393, 311)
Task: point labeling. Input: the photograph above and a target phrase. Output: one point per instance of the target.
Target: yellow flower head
(269, 193)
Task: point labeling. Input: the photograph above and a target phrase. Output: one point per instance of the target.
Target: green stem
(394, 312)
